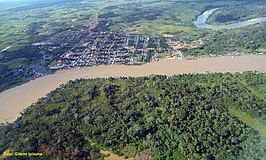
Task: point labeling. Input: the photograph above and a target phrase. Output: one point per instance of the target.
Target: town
(88, 48)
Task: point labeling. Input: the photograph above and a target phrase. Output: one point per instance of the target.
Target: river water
(201, 22)
(15, 100)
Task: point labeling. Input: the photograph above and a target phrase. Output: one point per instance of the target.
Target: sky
(12, 0)
(15, 0)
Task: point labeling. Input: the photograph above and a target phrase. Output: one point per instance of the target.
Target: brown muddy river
(15, 100)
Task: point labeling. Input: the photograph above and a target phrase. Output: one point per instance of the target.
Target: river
(15, 100)
(201, 22)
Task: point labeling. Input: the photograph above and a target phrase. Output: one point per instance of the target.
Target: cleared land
(172, 21)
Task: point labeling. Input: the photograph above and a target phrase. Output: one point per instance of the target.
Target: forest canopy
(179, 117)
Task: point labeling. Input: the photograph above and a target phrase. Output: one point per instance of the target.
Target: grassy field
(1, 55)
(166, 54)
(258, 89)
(28, 21)
(16, 63)
(253, 123)
(22, 24)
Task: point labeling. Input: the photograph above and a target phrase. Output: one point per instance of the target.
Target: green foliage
(179, 117)
(129, 151)
(16, 63)
(240, 12)
(239, 41)
(35, 22)
(166, 54)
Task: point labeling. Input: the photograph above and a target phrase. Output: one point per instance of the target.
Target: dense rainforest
(189, 116)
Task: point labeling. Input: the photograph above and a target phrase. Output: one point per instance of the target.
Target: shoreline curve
(15, 100)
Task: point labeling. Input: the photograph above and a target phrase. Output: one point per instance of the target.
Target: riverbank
(202, 19)
(15, 100)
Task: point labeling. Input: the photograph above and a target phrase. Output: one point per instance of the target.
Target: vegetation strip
(175, 117)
